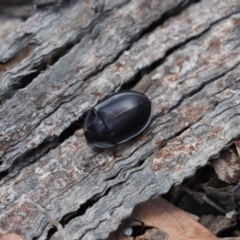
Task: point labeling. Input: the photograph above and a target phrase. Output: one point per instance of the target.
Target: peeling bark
(185, 56)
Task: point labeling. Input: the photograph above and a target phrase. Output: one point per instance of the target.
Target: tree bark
(185, 56)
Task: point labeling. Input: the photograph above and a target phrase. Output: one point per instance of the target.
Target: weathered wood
(16, 9)
(66, 79)
(189, 62)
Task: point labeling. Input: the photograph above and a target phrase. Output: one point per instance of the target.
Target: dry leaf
(227, 166)
(217, 224)
(169, 221)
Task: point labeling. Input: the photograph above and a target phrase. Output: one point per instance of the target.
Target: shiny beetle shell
(117, 119)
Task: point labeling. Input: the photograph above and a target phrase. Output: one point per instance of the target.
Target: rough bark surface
(185, 56)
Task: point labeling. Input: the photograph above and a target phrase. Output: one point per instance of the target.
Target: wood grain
(186, 53)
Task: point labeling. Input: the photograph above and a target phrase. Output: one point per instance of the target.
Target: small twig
(50, 219)
(202, 198)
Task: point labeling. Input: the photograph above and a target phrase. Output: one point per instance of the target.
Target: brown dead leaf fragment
(168, 221)
(11, 236)
(227, 166)
(217, 224)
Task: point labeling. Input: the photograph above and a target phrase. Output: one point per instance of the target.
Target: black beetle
(117, 119)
